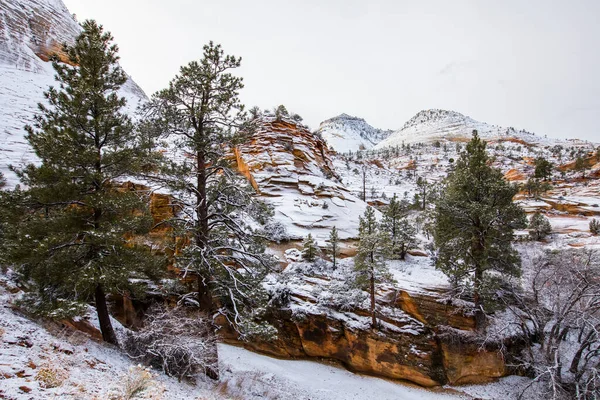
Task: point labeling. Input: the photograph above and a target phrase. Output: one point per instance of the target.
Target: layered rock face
(42, 26)
(31, 31)
(292, 169)
(420, 339)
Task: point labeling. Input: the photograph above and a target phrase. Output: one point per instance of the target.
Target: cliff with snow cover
(30, 33)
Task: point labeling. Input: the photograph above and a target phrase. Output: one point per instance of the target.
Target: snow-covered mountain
(31, 32)
(346, 133)
(431, 125)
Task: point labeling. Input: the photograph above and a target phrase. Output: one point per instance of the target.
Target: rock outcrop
(292, 169)
(31, 31)
(428, 354)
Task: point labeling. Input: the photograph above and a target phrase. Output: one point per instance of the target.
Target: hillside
(428, 126)
(30, 33)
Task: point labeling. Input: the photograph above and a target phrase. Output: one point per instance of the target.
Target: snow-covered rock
(292, 169)
(346, 133)
(431, 125)
(31, 31)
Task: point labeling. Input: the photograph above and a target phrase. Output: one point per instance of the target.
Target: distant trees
(71, 243)
(475, 218)
(369, 263)
(535, 187)
(539, 226)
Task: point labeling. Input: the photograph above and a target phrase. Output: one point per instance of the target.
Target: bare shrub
(50, 376)
(138, 383)
(180, 342)
(560, 314)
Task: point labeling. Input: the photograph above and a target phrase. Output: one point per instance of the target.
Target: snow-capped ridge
(345, 133)
(436, 124)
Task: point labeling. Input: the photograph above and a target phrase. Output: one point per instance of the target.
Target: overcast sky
(529, 64)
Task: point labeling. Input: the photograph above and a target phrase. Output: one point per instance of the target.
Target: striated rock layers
(421, 339)
(292, 169)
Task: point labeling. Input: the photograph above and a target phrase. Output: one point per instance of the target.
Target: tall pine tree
(202, 120)
(72, 243)
(475, 218)
(369, 263)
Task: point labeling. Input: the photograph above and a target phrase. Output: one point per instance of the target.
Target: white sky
(522, 63)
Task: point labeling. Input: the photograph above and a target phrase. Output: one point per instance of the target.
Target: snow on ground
(417, 274)
(271, 378)
(40, 363)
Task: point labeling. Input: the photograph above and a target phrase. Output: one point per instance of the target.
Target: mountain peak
(436, 124)
(348, 133)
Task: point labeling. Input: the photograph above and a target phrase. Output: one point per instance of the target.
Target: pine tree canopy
(475, 218)
(72, 243)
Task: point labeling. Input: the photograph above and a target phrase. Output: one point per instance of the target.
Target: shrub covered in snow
(539, 227)
(180, 342)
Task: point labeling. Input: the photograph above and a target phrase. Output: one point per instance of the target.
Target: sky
(532, 64)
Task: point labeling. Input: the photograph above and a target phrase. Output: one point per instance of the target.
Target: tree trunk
(205, 299)
(108, 333)
(372, 290)
(364, 182)
(479, 313)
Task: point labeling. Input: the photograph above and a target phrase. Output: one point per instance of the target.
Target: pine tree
(392, 223)
(202, 118)
(72, 241)
(423, 192)
(369, 263)
(333, 246)
(543, 168)
(407, 239)
(580, 166)
(539, 227)
(475, 218)
(309, 248)
(594, 226)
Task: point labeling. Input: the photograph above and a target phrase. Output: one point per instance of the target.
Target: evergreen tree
(475, 218)
(539, 227)
(392, 224)
(407, 239)
(71, 244)
(580, 166)
(334, 246)
(201, 116)
(423, 193)
(369, 263)
(309, 248)
(594, 226)
(543, 168)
